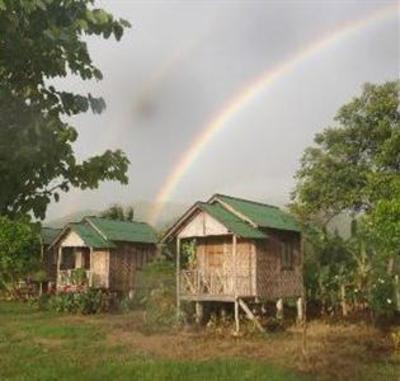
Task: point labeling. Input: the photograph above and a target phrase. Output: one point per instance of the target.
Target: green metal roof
(231, 221)
(90, 236)
(49, 235)
(124, 231)
(263, 215)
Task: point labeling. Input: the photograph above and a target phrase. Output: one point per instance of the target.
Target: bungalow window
(287, 256)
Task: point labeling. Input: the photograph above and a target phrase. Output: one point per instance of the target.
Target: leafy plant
(90, 301)
(19, 252)
(78, 276)
(39, 42)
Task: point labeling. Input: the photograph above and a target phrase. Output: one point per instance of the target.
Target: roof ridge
(245, 200)
(114, 220)
(96, 228)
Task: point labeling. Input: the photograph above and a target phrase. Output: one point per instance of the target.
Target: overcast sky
(179, 64)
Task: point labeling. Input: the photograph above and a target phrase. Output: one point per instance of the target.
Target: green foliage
(90, 301)
(19, 251)
(117, 212)
(343, 171)
(354, 169)
(41, 40)
(156, 294)
(382, 296)
(78, 276)
(188, 253)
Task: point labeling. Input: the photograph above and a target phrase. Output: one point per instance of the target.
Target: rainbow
(254, 88)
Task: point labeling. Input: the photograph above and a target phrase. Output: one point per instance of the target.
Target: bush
(382, 297)
(90, 301)
(156, 294)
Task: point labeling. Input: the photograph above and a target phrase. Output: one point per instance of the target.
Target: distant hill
(72, 217)
(170, 213)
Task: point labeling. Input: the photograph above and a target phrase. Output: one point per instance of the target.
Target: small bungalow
(243, 252)
(107, 252)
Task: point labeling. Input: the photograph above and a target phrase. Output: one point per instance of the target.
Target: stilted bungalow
(243, 252)
(107, 253)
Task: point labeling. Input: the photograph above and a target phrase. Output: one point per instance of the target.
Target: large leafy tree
(355, 164)
(354, 167)
(41, 40)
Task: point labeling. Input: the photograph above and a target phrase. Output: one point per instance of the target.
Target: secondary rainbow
(236, 103)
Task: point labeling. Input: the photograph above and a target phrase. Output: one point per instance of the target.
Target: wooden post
(178, 265)
(237, 326)
(199, 312)
(303, 300)
(59, 259)
(343, 300)
(300, 314)
(234, 244)
(91, 259)
(279, 309)
(397, 291)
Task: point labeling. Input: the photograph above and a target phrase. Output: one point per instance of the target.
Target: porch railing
(195, 282)
(65, 278)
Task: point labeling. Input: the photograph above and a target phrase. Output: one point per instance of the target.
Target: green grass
(47, 346)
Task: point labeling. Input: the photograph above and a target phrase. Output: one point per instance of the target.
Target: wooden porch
(196, 285)
(65, 278)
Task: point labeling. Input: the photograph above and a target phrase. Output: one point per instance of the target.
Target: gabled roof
(49, 235)
(102, 233)
(124, 231)
(262, 215)
(90, 236)
(241, 217)
(232, 222)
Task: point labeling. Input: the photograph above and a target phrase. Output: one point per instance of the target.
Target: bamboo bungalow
(109, 252)
(244, 251)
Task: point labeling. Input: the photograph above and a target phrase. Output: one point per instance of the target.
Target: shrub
(156, 294)
(19, 253)
(382, 296)
(90, 301)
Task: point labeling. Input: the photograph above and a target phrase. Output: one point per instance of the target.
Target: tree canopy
(354, 168)
(117, 212)
(356, 164)
(41, 40)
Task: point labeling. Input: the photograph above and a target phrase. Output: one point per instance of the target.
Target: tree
(355, 168)
(354, 164)
(117, 212)
(41, 40)
(19, 251)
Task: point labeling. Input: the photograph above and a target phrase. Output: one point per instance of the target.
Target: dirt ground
(333, 351)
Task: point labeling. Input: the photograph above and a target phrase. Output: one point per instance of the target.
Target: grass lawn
(48, 346)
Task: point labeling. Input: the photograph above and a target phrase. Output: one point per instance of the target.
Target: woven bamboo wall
(272, 280)
(214, 256)
(125, 261)
(50, 263)
(99, 268)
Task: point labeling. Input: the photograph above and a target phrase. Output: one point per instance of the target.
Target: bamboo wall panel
(272, 280)
(99, 268)
(215, 263)
(125, 261)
